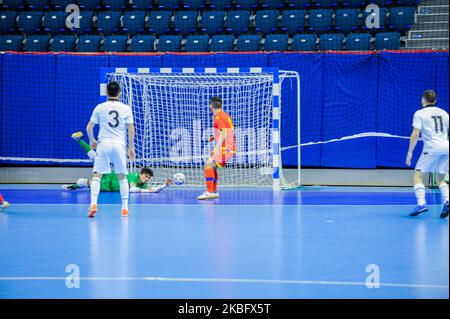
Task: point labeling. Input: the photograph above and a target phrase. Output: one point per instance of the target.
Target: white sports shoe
(67, 187)
(208, 195)
(77, 135)
(4, 206)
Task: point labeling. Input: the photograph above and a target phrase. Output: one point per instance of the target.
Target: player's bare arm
(131, 132)
(90, 133)
(412, 145)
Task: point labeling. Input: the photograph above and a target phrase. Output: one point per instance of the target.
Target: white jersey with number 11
(433, 125)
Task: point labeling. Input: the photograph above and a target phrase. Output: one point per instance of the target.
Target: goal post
(173, 121)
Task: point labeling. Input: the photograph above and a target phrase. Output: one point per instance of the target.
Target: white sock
(419, 189)
(124, 190)
(91, 154)
(82, 182)
(444, 191)
(95, 190)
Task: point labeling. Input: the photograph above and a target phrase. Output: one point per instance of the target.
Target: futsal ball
(178, 179)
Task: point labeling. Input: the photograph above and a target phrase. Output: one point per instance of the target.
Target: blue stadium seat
(331, 42)
(266, 21)
(62, 4)
(382, 21)
(63, 43)
(273, 4)
(220, 5)
(293, 21)
(408, 3)
(13, 5)
(250, 42)
(213, 21)
(186, 22)
(300, 4)
(222, 43)
(86, 22)
(326, 3)
(115, 43)
(11, 42)
(346, 20)
(169, 4)
(142, 5)
(143, 43)
(238, 21)
(401, 18)
(90, 5)
(30, 21)
(304, 42)
(55, 21)
(89, 43)
(197, 43)
(133, 22)
(116, 5)
(108, 22)
(387, 41)
(169, 43)
(194, 4)
(7, 22)
(354, 3)
(276, 42)
(39, 4)
(381, 3)
(358, 42)
(320, 20)
(159, 22)
(247, 4)
(37, 43)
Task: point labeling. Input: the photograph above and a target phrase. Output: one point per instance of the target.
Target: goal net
(173, 122)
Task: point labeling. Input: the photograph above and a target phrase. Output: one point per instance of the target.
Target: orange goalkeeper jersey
(222, 121)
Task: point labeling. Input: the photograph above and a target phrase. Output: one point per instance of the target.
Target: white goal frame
(278, 76)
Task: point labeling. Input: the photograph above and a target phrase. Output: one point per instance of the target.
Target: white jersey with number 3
(433, 125)
(113, 117)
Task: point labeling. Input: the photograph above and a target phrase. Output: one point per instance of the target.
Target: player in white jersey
(432, 123)
(114, 118)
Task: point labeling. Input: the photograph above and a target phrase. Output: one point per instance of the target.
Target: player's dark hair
(430, 96)
(113, 89)
(147, 171)
(216, 102)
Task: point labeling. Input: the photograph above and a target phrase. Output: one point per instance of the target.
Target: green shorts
(110, 183)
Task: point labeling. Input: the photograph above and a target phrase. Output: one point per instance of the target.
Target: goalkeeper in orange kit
(224, 150)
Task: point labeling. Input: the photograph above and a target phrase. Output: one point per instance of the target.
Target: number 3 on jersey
(115, 117)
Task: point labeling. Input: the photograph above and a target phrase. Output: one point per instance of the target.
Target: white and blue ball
(178, 179)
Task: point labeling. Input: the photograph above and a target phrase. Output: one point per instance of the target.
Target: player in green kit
(110, 182)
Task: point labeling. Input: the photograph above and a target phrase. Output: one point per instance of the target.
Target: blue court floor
(317, 242)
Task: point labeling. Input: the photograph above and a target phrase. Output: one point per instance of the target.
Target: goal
(173, 121)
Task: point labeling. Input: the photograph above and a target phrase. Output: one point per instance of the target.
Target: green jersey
(110, 182)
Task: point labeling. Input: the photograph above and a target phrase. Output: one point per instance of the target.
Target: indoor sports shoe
(124, 212)
(68, 187)
(418, 210)
(4, 205)
(444, 212)
(208, 195)
(92, 211)
(77, 135)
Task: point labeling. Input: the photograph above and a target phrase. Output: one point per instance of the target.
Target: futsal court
(314, 242)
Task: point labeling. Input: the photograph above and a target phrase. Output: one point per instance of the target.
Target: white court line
(229, 280)
(204, 204)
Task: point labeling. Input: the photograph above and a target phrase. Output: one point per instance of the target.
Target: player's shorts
(432, 163)
(107, 153)
(110, 183)
(223, 158)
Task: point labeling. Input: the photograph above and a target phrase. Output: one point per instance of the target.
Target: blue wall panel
(349, 107)
(28, 118)
(402, 79)
(186, 61)
(309, 66)
(77, 92)
(135, 61)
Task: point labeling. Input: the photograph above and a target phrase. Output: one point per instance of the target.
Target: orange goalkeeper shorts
(223, 158)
